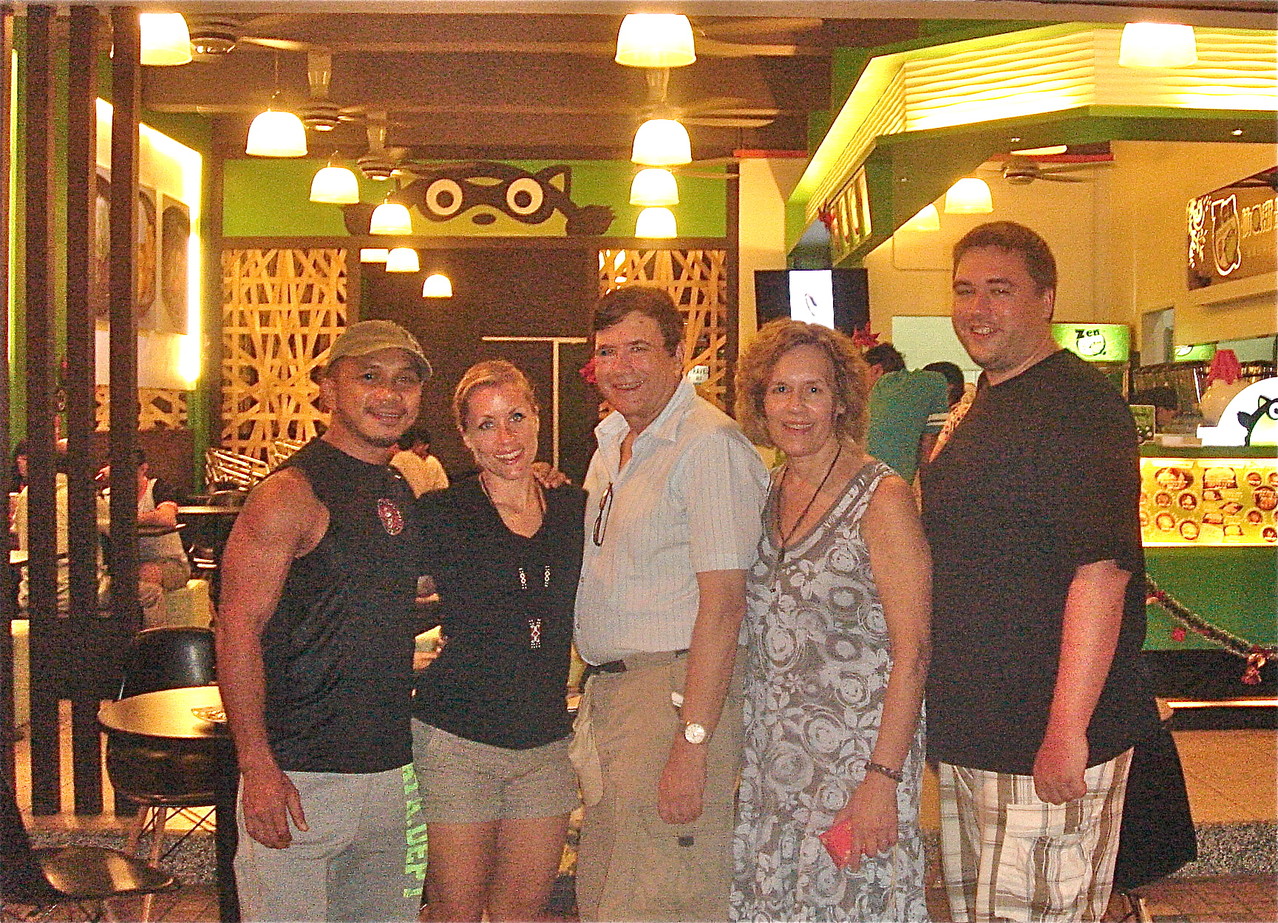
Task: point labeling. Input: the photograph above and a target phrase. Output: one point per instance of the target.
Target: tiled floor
(1230, 776)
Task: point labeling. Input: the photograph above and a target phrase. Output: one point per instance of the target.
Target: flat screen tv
(837, 298)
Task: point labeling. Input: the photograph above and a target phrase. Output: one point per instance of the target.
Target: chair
(51, 877)
(163, 776)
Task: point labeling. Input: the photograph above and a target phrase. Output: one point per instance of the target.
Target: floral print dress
(817, 669)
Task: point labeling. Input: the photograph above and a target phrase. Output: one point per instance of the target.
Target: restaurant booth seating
(169, 776)
(55, 876)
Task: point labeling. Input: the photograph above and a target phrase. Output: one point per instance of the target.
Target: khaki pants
(631, 865)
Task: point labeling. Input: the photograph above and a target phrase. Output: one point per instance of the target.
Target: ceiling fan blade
(1052, 177)
(279, 44)
(728, 121)
(1073, 167)
(762, 25)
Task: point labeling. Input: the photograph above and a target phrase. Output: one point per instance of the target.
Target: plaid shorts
(1009, 855)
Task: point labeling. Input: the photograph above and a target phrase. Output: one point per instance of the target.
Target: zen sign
(1231, 231)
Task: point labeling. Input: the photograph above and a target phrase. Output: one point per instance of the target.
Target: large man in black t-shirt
(314, 654)
(1034, 694)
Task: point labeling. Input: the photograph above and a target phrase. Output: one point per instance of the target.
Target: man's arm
(1089, 635)
(281, 520)
(711, 659)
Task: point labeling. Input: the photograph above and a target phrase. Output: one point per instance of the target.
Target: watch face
(694, 733)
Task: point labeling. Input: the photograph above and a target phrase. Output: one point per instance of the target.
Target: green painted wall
(270, 198)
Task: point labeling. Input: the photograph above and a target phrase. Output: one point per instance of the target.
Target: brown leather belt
(638, 660)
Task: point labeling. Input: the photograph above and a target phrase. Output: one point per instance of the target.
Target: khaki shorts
(466, 782)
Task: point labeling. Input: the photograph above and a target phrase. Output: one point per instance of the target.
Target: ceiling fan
(1021, 171)
(217, 34)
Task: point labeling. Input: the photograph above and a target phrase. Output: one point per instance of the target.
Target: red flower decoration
(587, 372)
(826, 217)
(863, 338)
(1178, 634)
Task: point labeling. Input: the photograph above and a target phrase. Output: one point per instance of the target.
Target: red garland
(1255, 655)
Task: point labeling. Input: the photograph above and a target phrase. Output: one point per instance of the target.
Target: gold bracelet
(896, 775)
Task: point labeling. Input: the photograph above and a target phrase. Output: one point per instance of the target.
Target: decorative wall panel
(161, 408)
(697, 281)
(281, 310)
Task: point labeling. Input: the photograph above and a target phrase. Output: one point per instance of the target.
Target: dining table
(191, 714)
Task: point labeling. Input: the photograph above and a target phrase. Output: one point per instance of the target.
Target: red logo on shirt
(392, 519)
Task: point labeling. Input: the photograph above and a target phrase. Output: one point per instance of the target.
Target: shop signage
(1251, 417)
(1231, 231)
(1095, 342)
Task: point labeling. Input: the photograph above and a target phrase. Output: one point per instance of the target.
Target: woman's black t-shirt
(506, 608)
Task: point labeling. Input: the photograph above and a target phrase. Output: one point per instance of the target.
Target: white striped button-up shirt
(688, 501)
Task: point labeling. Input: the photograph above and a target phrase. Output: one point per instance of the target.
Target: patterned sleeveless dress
(817, 670)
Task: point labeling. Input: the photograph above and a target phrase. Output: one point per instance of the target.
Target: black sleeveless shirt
(338, 651)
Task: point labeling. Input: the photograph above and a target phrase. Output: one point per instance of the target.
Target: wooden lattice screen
(160, 408)
(281, 310)
(697, 281)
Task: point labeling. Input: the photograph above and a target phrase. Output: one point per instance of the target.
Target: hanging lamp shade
(662, 143)
(927, 219)
(275, 133)
(402, 259)
(373, 254)
(969, 196)
(390, 218)
(656, 222)
(655, 40)
(1157, 44)
(166, 41)
(335, 186)
(654, 186)
(437, 285)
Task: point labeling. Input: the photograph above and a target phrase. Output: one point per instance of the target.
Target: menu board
(1209, 501)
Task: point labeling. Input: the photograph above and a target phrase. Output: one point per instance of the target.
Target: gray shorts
(465, 782)
(362, 859)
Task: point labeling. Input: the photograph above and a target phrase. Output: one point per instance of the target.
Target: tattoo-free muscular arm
(1089, 635)
(281, 520)
(902, 567)
(711, 659)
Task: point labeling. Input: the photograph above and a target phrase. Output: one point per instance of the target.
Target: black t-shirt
(507, 611)
(339, 649)
(1040, 478)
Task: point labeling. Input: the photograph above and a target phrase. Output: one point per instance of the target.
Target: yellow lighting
(927, 219)
(276, 134)
(656, 222)
(402, 259)
(1157, 44)
(437, 285)
(335, 186)
(655, 40)
(165, 39)
(654, 186)
(373, 255)
(390, 218)
(969, 196)
(662, 143)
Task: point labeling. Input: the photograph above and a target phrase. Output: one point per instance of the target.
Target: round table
(168, 715)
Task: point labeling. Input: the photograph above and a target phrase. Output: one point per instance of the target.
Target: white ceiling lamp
(335, 186)
(373, 254)
(662, 143)
(166, 41)
(402, 259)
(437, 285)
(391, 218)
(655, 40)
(927, 219)
(656, 222)
(1157, 44)
(654, 186)
(275, 133)
(969, 196)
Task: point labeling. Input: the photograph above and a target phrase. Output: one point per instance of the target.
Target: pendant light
(1157, 44)
(275, 132)
(166, 41)
(969, 196)
(662, 143)
(656, 222)
(335, 186)
(437, 285)
(927, 219)
(391, 218)
(654, 186)
(373, 254)
(402, 259)
(655, 40)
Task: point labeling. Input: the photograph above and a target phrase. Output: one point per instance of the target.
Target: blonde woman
(491, 733)
(838, 639)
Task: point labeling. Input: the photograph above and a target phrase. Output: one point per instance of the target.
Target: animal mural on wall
(1261, 424)
(487, 192)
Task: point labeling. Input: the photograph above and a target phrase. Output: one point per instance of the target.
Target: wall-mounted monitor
(837, 298)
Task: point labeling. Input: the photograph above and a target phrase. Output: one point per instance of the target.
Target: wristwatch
(694, 733)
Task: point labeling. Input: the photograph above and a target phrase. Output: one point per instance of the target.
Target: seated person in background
(414, 461)
(18, 471)
(901, 407)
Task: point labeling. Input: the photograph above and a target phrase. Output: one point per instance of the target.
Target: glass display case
(1206, 497)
